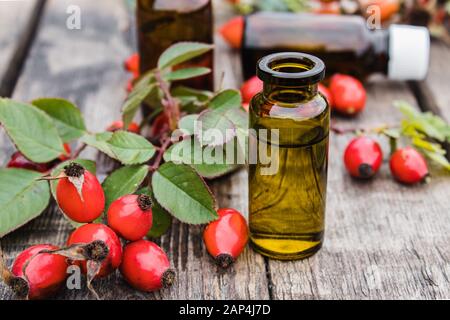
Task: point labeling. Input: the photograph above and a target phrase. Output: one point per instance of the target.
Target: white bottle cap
(409, 52)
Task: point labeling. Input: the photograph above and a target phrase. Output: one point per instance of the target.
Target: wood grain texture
(383, 240)
(436, 86)
(85, 66)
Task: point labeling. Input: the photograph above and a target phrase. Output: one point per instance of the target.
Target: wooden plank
(18, 19)
(18, 23)
(85, 67)
(435, 88)
(383, 240)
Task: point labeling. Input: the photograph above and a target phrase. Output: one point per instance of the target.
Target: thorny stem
(166, 142)
(171, 106)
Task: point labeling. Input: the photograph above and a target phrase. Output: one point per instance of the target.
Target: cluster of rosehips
(345, 95)
(363, 157)
(41, 270)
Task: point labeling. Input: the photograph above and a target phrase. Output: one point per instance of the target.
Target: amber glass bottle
(289, 121)
(162, 23)
(343, 42)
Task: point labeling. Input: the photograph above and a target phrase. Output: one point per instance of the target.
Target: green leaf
(162, 220)
(187, 123)
(186, 73)
(66, 115)
(131, 148)
(201, 95)
(134, 101)
(226, 100)
(209, 162)
(123, 181)
(217, 128)
(32, 131)
(100, 142)
(438, 158)
(181, 52)
(182, 192)
(22, 198)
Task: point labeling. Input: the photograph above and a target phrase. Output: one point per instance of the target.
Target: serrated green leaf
(187, 73)
(100, 142)
(187, 123)
(226, 100)
(32, 131)
(182, 52)
(123, 181)
(209, 162)
(22, 198)
(201, 95)
(162, 220)
(217, 128)
(438, 158)
(134, 101)
(65, 114)
(184, 194)
(130, 148)
(429, 146)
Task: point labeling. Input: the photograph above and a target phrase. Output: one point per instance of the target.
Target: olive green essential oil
(287, 207)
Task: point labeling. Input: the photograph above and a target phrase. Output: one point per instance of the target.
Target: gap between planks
(21, 51)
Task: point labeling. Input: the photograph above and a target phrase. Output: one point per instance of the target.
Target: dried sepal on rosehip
(80, 195)
(36, 273)
(145, 266)
(226, 238)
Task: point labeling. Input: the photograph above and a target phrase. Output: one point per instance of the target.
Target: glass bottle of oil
(343, 42)
(162, 23)
(289, 125)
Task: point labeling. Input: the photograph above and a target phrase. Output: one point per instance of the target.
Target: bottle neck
(290, 95)
(380, 47)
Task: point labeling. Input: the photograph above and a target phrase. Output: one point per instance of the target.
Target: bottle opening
(291, 69)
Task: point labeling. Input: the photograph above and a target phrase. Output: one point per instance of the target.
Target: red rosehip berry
(246, 106)
(226, 238)
(363, 157)
(348, 94)
(19, 161)
(89, 233)
(45, 273)
(233, 31)
(118, 125)
(132, 63)
(131, 216)
(250, 88)
(326, 93)
(146, 267)
(80, 195)
(409, 166)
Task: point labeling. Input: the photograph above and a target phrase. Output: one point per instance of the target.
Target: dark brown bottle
(162, 23)
(343, 42)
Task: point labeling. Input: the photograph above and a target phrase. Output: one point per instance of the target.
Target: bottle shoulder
(314, 108)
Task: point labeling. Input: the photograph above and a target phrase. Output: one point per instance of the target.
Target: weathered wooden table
(383, 240)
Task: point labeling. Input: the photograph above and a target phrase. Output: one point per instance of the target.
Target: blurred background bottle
(343, 42)
(162, 23)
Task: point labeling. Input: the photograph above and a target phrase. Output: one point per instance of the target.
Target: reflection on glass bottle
(162, 23)
(287, 206)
